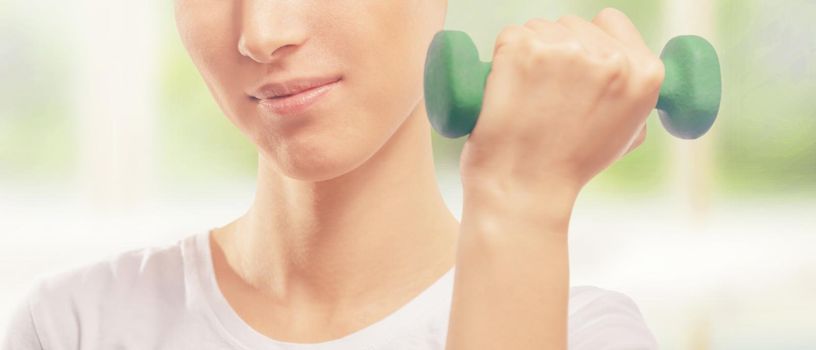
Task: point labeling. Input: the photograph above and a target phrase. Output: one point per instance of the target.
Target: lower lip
(298, 103)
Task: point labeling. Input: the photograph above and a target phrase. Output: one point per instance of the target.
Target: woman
(348, 244)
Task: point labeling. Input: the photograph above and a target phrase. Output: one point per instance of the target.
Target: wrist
(544, 206)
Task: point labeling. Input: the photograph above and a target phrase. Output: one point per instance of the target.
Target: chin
(314, 163)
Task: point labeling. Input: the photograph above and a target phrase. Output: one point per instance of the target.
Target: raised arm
(563, 101)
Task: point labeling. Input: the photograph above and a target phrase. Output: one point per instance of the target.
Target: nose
(268, 28)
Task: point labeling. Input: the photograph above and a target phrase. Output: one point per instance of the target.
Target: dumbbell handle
(455, 79)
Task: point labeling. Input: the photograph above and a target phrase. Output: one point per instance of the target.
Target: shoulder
(124, 272)
(606, 319)
(64, 303)
(21, 333)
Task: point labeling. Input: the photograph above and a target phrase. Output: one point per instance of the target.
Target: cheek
(384, 65)
(384, 73)
(205, 30)
(219, 63)
(387, 45)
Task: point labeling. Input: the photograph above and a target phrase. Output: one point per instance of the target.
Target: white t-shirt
(166, 297)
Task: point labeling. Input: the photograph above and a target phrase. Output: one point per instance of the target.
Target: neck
(380, 227)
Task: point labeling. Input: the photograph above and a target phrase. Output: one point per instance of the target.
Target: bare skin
(348, 223)
(578, 94)
(329, 262)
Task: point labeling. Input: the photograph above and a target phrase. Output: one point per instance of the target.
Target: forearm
(512, 282)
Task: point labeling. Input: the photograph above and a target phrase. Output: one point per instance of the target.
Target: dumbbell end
(692, 89)
(454, 83)
(455, 80)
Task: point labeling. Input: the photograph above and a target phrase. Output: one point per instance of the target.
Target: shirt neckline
(396, 323)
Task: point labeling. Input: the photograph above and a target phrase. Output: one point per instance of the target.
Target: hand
(564, 100)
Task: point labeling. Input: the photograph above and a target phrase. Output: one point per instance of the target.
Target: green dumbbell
(455, 79)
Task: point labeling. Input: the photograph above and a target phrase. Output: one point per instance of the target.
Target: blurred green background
(764, 143)
(713, 238)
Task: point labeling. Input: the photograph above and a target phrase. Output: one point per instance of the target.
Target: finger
(596, 39)
(549, 31)
(511, 34)
(619, 26)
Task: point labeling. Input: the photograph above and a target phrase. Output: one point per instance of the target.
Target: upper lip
(271, 89)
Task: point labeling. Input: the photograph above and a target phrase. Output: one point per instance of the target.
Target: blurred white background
(714, 238)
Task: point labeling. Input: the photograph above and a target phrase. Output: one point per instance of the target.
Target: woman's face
(375, 47)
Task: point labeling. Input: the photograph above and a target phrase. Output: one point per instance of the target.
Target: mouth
(294, 99)
(284, 88)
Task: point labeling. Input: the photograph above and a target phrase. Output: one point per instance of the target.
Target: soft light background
(109, 141)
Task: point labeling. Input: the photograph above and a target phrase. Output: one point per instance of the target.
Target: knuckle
(613, 68)
(567, 53)
(569, 19)
(509, 36)
(653, 74)
(608, 14)
(534, 22)
(537, 53)
(572, 50)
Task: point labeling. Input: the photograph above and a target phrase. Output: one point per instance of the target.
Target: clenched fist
(564, 100)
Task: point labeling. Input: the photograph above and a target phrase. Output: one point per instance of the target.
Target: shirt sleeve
(21, 332)
(607, 320)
